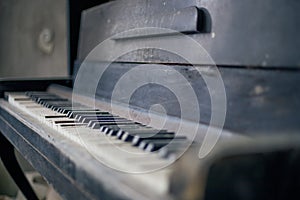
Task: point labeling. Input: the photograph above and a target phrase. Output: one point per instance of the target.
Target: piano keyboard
(117, 142)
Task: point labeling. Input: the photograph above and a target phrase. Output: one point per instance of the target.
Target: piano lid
(233, 32)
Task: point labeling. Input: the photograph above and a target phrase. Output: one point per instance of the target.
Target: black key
(129, 135)
(67, 104)
(94, 117)
(72, 124)
(66, 109)
(97, 124)
(22, 99)
(111, 130)
(29, 93)
(49, 99)
(56, 104)
(90, 113)
(140, 137)
(52, 100)
(37, 93)
(156, 145)
(44, 98)
(100, 122)
(35, 97)
(56, 107)
(54, 116)
(103, 118)
(83, 112)
(114, 130)
(153, 145)
(64, 122)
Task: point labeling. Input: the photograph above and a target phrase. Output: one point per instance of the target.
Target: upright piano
(167, 99)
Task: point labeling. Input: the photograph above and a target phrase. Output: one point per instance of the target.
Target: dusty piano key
(113, 129)
(39, 94)
(94, 117)
(138, 138)
(66, 109)
(35, 97)
(125, 132)
(100, 114)
(90, 137)
(160, 142)
(60, 127)
(29, 103)
(102, 118)
(129, 134)
(57, 103)
(172, 150)
(120, 129)
(60, 121)
(77, 108)
(47, 99)
(108, 121)
(72, 124)
(60, 108)
(39, 99)
(50, 104)
(84, 112)
(55, 116)
(55, 107)
(89, 118)
(39, 111)
(64, 121)
(154, 145)
(73, 113)
(97, 124)
(86, 135)
(22, 99)
(78, 114)
(36, 93)
(73, 108)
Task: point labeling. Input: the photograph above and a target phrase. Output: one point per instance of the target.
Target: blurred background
(36, 37)
(33, 38)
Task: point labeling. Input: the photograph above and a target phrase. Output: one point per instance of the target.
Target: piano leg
(10, 162)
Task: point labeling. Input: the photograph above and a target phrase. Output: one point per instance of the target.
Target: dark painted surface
(243, 33)
(256, 176)
(17, 85)
(258, 100)
(75, 7)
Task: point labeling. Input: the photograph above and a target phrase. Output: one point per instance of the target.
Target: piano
(166, 100)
